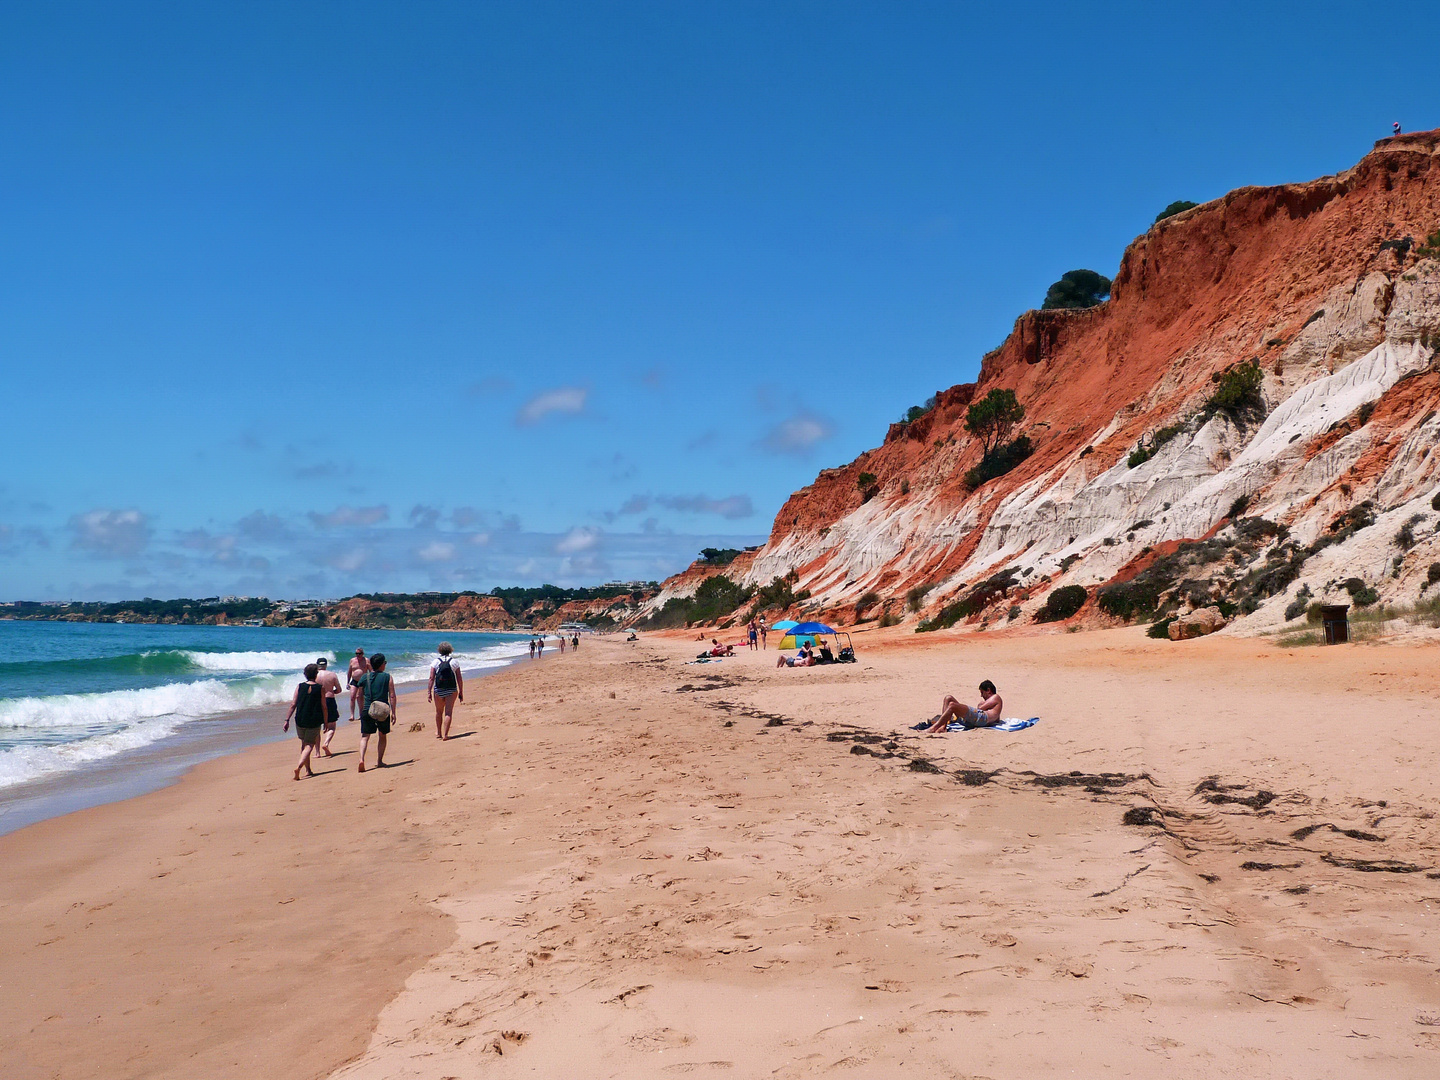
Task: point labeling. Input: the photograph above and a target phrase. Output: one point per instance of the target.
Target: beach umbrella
(792, 641)
(784, 624)
(811, 628)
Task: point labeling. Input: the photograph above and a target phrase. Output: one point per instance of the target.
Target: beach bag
(377, 708)
(444, 676)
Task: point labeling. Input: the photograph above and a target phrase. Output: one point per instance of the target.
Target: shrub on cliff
(718, 556)
(1145, 451)
(1179, 206)
(973, 602)
(1238, 391)
(715, 598)
(991, 419)
(1077, 289)
(778, 594)
(1062, 603)
(915, 598)
(916, 411)
(1362, 594)
(999, 461)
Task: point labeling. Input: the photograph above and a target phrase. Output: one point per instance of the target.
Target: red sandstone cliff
(1323, 283)
(465, 612)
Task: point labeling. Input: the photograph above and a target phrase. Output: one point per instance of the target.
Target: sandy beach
(1214, 858)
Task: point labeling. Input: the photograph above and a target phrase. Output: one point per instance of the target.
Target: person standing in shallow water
(308, 709)
(379, 688)
(330, 683)
(447, 687)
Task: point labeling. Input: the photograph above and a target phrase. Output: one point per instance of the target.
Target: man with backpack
(378, 689)
(446, 687)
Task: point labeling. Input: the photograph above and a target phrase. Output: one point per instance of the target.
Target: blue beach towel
(1013, 723)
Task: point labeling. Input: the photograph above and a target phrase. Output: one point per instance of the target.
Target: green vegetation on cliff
(1077, 289)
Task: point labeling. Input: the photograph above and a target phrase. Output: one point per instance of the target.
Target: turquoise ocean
(80, 697)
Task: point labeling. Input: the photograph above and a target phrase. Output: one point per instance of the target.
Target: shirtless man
(330, 683)
(359, 666)
(985, 714)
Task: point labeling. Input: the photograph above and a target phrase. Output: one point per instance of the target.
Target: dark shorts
(332, 711)
(370, 727)
(309, 736)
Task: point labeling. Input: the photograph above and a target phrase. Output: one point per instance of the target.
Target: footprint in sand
(664, 1038)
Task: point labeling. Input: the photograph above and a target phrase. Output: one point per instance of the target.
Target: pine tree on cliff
(1077, 289)
(993, 417)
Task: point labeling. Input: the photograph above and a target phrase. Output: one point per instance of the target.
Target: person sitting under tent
(826, 656)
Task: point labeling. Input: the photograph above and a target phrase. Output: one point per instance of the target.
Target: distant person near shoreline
(446, 687)
(359, 666)
(330, 683)
(532, 648)
(380, 709)
(308, 709)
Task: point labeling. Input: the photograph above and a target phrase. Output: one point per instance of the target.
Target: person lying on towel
(985, 714)
(716, 649)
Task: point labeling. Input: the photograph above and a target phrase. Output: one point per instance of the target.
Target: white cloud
(796, 435)
(350, 516)
(731, 508)
(563, 400)
(578, 540)
(114, 534)
(348, 561)
(436, 552)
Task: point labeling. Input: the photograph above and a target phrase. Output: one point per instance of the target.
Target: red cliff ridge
(1320, 489)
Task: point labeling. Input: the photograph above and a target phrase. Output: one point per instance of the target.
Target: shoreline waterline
(93, 746)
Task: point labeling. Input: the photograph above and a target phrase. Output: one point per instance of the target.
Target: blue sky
(304, 299)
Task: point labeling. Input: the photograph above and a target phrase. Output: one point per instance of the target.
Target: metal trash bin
(1337, 623)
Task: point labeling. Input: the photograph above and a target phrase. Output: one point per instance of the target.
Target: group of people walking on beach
(316, 709)
(537, 644)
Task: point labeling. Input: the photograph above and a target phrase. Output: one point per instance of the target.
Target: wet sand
(1212, 857)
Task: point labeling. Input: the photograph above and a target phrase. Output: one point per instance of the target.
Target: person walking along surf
(446, 688)
(330, 683)
(359, 666)
(308, 709)
(379, 691)
(532, 648)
